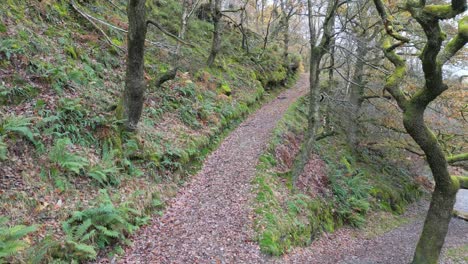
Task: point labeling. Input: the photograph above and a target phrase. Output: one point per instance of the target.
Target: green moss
(439, 10)
(458, 254)
(72, 52)
(463, 27)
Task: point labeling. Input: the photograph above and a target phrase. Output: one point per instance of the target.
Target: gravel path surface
(209, 221)
(462, 201)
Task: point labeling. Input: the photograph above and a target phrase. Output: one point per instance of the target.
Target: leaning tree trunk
(134, 80)
(216, 43)
(443, 198)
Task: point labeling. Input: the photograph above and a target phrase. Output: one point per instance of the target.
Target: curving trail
(209, 221)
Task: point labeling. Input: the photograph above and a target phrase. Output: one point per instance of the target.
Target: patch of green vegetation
(12, 239)
(17, 94)
(13, 125)
(286, 217)
(91, 229)
(458, 254)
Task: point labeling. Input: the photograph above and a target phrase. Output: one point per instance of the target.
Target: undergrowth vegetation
(69, 170)
(287, 216)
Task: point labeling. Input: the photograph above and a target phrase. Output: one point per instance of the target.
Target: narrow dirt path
(209, 221)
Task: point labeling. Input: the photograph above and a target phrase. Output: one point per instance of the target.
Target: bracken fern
(11, 238)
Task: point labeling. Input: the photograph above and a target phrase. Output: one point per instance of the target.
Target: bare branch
(157, 25)
(89, 18)
(376, 96)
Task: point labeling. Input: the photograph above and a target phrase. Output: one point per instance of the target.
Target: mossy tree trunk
(133, 96)
(216, 43)
(433, 57)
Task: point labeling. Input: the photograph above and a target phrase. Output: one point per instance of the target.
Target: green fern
(19, 125)
(11, 238)
(66, 160)
(68, 249)
(106, 172)
(103, 225)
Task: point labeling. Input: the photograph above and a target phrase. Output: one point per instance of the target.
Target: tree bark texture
(216, 43)
(134, 79)
(355, 98)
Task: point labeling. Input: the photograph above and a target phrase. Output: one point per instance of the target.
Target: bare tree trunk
(317, 52)
(187, 12)
(265, 39)
(243, 18)
(355, 98)
(286, 39)
(314, 94)
(216, 43)
(134, 80)
(332, 55)
(183, 27)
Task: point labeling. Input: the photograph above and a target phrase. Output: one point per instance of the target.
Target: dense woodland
(109, 107)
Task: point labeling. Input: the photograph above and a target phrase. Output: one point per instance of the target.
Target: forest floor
(210, 219)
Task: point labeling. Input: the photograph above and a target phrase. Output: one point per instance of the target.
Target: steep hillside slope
(62, 66)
